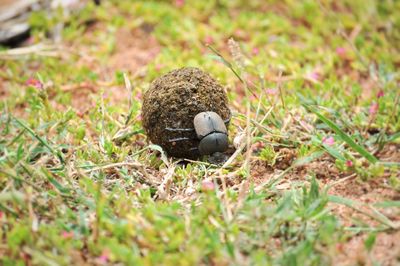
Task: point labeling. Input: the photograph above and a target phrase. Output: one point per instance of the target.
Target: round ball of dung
(171, 103)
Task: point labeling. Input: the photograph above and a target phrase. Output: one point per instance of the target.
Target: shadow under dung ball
(171, 105)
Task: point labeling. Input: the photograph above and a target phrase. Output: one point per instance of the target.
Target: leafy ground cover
(312, 177)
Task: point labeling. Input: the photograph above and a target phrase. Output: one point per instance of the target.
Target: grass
(313, 178)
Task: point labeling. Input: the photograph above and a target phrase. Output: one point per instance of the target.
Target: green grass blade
(394, 137)
(363, 152)
(388, 204)
(41, 140)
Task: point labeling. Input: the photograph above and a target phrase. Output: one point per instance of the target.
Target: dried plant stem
(40, 49)
(164, 188)
(113, 165)
(243, 145)
(396, 105)
(128, 86)
(230, 66)
(280, 89)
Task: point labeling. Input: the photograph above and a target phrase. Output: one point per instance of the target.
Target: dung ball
(172, 102)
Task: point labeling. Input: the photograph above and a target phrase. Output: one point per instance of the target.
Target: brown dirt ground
(387, 247)
(3, 91)
(135, 48)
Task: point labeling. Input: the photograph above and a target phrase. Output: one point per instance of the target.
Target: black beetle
(210, 130)
(212, 133)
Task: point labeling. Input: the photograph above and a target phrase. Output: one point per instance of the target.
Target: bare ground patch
(3, 91)
(386, 250)
(363, 193)
(135, 48)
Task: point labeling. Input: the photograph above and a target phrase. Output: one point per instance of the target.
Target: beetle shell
(214, 142)
(208, 122)
(212, 133)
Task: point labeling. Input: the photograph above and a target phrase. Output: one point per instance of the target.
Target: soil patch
(363, 193)
(135, 48)
(386, 251)
(3, 91)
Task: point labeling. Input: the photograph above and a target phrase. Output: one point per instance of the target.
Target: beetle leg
(179, 129)
(226, 121)
(179, 139)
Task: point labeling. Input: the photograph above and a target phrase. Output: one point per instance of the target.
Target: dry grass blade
(356, 206)
(163, 190)
(113, 165)
(128, 86)
(40, 49)
(243, 144)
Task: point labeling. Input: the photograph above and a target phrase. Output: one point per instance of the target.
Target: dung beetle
(210, 130)
(212, 133)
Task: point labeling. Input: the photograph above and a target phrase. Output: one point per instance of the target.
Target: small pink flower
(207, 185)
(255, 51)
(380, 94)
(271, 91)
(30, 40)
(373, 108)
(340, 247)
(328, 140)
(104, 257)
(241, 34)
(313, 75)
(139, 117)
(306, 125)
(340, 51)
(208, 40)
(349, 163)
(34, 83)
(258, 146)
(138, 96)
(1, 214)
(67, 235)
(179, 3)
(158, 67)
